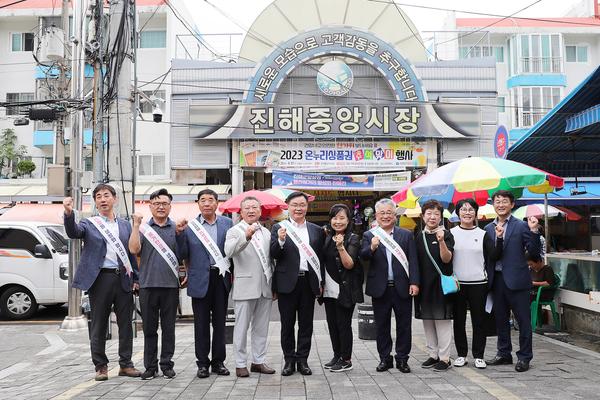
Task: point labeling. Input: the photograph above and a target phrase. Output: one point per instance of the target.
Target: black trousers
(339, 322)
(382, 311)
(159, 303)
(210, 308)
(473, 297)
(506, 300)
(106, 293)
(300, 302)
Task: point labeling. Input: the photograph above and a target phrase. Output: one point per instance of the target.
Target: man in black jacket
(298, 280)
(392, 280)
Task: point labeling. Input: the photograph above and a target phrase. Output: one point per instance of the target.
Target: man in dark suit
(392, 280)
(511, 281)
(298, 280)
(107, 278)
(209, 280)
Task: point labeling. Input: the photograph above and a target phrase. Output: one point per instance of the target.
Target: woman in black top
(431, 305)
(343, 284)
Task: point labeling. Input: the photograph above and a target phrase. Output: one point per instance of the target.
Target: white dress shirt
(302, 230)
(111, 260)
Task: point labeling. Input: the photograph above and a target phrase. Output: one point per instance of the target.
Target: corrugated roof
(516, 22)
(548, 147)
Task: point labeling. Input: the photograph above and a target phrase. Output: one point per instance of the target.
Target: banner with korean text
(330, 155)
(393, 181)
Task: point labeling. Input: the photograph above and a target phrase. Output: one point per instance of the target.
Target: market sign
(334, 40)
(372, 182)
(330, 155)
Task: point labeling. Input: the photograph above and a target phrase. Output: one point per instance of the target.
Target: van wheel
(18, 303)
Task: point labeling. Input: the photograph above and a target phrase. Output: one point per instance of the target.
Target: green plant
(10, 152)
(25, 167)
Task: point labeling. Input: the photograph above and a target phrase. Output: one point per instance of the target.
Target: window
(501, 102)
(145, 105)
(576, 53)
(151, 164)
(532, 103)
(16, 98)
(481, 51)
(22, 41)
(17, 239)
(57, 237)
(153, 39)
(538, 53)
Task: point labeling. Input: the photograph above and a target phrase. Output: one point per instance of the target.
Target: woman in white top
(474, 257)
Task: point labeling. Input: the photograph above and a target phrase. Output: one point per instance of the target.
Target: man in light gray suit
(247, 244)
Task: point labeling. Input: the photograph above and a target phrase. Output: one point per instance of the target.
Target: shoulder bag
(449, 282)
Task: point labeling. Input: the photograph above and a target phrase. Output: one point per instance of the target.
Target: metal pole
(75, 320)
(546, 227)
(119, 155)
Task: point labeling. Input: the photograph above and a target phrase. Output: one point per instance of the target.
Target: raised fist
(137, 219)
(439, 234)
(499, 231)
(180, 226)
(282, 234)
(68, 205)
(374, 243)
(534, 224)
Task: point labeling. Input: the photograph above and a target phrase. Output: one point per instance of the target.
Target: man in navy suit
(390, 286)
(511, 281)
(296, 283)
(107, 279)
(208, 282)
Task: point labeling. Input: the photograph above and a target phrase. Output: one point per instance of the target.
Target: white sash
(390, 244)
(305, 248)
(257, 243)
(221, 262)
(114, 242)
(161, 247)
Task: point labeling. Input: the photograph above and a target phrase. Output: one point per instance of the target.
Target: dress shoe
(102, 373)
(522, 366)
(130, 372)
(262, 369)
(149, 374)
(303, 368)
(203, 372)
(384, 365)
(219, 369)
(498, 360)
(402, 365)
(288, 368)
(242, 372)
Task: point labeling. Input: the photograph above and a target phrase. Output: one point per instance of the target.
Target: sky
(209, 20)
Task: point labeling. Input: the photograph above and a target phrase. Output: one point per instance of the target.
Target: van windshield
(56, 236)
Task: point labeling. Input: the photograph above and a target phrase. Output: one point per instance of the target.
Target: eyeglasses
(385, 213)
(160, 204)
(467, 210)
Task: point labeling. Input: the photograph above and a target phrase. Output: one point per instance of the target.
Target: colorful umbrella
(267, 201)
(486, 212)
(416, 212)
(536, 210)
(283, 194)
(477, 178)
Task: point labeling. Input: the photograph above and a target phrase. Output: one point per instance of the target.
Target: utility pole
(98, 110)
(120, 148)
(76, 321)
(63, 90)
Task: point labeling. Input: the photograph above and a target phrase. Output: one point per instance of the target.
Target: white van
(34, 267)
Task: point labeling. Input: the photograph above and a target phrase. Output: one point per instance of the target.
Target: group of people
(297, 263)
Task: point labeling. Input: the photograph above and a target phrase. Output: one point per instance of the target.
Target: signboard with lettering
(329, 155)
(334, 40)
(393, 181)
(501, 142)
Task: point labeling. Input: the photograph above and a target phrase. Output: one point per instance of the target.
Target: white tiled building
(22, 24)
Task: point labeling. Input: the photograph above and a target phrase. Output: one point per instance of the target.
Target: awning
(551, 146)
(570, 214)
(53, 213)
(564, 196)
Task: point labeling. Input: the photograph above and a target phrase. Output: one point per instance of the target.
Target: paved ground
(39, 362)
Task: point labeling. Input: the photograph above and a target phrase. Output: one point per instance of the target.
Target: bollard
(366, 322)
(229, 322)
